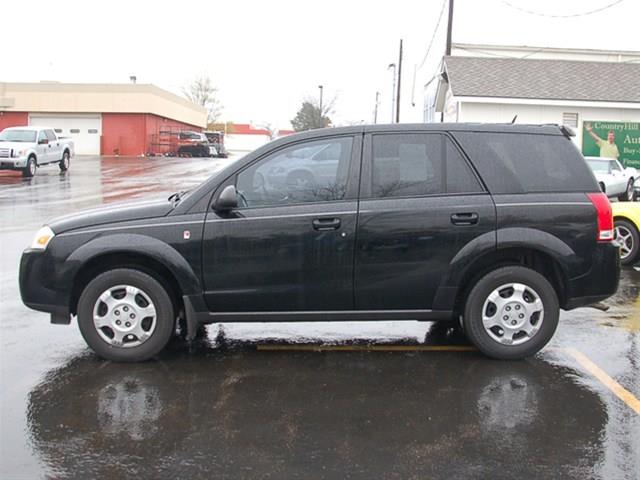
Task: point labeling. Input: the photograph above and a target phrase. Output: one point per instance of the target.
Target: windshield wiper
(176, 197)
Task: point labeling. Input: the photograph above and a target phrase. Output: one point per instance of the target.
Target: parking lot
(324, 400)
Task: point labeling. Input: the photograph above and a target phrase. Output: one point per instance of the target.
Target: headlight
(42, 238)
(19, 153)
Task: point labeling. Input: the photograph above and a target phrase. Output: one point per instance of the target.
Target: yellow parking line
(622, 393)
(367, 348)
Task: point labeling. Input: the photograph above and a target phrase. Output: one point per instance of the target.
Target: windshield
(599, 165)
(18, 136)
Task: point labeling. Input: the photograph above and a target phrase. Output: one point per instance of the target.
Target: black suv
(495, 226)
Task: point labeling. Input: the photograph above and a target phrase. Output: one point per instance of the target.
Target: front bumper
(600, 282)
(12, 163)
(36, 267)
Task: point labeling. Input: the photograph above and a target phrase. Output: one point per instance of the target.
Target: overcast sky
(266, 56)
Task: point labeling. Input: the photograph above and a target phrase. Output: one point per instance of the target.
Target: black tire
(629, 193)
(30, 170)
(161, 301)
(633, 237)
(65, 162)
(475, 303)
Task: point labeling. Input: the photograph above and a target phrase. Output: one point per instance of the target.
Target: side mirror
(43, 141)
(227, 200)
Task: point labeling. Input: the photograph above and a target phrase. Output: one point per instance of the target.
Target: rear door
(55, 148)
(420, 204)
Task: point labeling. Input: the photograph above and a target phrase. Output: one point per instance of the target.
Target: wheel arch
(147, 254)
(515, 255)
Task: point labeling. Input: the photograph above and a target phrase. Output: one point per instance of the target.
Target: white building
(483, 83)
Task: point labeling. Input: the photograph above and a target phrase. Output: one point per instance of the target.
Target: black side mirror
(227, 200)
(43, 141)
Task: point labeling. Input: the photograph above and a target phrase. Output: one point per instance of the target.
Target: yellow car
(626, 218)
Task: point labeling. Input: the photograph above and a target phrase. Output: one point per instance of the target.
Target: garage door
(84, 130)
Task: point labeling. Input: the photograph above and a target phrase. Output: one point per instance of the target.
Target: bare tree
(202, 92)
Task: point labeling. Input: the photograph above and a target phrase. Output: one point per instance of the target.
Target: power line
(424, 59)
(572, 15)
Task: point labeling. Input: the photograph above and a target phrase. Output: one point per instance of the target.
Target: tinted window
(50, 135)
(522, 163)
(309, 172)
(42, 135)
(408, 165)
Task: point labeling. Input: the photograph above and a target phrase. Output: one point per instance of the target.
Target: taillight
(605, 216)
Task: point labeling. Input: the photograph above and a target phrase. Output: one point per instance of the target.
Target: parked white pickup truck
(27, 148)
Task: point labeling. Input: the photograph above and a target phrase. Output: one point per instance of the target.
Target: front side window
(303, 173)
(42, 136)
(409, 165)
(50, 135)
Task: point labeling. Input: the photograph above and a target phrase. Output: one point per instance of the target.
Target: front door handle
(467, 218)
(323, 224)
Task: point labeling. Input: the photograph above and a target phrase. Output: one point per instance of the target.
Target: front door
(290, 244)
(421, 203)
(43, 149)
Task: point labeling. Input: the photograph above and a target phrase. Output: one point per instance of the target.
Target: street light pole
(375, 110)
(321, 88)
(393, 91)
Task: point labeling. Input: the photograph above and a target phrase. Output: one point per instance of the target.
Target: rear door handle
(467, 218)
(323, 224)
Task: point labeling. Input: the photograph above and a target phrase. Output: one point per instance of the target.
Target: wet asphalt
(226, 407)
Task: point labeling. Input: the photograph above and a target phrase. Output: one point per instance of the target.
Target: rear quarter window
(527, 163)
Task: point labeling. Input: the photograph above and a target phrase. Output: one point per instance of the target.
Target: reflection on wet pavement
(221, 408)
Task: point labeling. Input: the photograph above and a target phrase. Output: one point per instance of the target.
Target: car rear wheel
(628, 237)
(30, 169)
(64, 163)
(511, 313)
(125, 315)
(629, 193)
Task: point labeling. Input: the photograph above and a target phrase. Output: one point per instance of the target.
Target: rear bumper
(35, 269)
(599, 283)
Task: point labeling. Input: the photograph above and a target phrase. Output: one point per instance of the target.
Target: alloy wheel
(624, 238)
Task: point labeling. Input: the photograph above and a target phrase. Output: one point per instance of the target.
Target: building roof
(56, 97)
(543, 79)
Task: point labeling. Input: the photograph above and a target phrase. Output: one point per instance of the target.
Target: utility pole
(393, 91)
(321, 88)
(449, 28)
(375, 110)
(399, 83)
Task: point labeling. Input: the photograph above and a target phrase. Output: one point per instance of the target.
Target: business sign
(619, 140)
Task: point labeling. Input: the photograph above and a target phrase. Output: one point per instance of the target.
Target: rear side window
(410, 165)
(527, 163)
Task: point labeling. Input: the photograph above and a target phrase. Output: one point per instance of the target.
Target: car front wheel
(628, 238)
(125, 315)
(511, 313)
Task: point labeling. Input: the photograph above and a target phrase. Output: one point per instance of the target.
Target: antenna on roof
(514, 119)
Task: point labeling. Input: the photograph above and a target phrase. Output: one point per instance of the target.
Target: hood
(114, 212)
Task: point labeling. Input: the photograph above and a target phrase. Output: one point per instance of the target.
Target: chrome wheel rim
(124, 316)
(65, 160)
(512, 314)
(630, 191)
(624, 237)
(32, 167)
